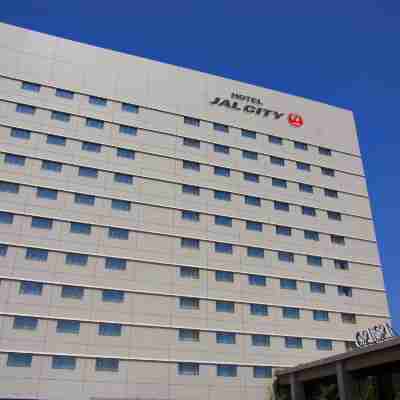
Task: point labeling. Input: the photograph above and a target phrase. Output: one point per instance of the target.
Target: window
(341, 264)
(281, 206)
(191, 143)
(77, 227)
(6, 218)
(293, 342)
(327, 171)
(9, 187)
(225, 338)
(52, 166)
(290, 313)
(20, 133)
(249, 134)
(315, 261)
(32, 288)
(338, 240)
(31, 87)
(48, 194)
(189, 272)
(331, 193)
(350, 345)
(324, 151)
(224, 276)
(125, 153)
(311, 235)
(303, 166)
(118, 233)
(310, 211)
(227, 371)
(324, 344)
(97, 101)
(250, 155)
(41, 223)
(277, 161)
(85, 199)
(259, 309)
(247, 176)
(106, 329)
(76, 259)
(191, 121)
(25, 109)
(336, 216)
(317, 287)
(132, 108)
(36, 254)
(252, 201)
(283, 230)
(190, 243)
(14, 159)
(220, 148)
(220, 127)
(72, 292)
(256, 252)
(301, 146)
(305, 188)
(221, 220)
(113, 296)
(254, 226)
(262, 372)
(94, 123)
(345, 291)
(60, 116)
(107, 364)
(56, 140)
(194, 166)
(225, 306)
(68, 326)
(319, 315)
(221, 171)
(189, 303)
(19, 360)
(348, 318)
(279, 183)
(260, 340)
(63, 362)
(257, 280)
(191, 369)
(3, 250)
(92, 147)
(189, 189)
(123, 178)
(127, 130)
(115, 264)
(26, 323)
(275, 139)
(220, 195)
(121, 205)
(223, 248)
(190, 215)
(290, 284)
(88, 172)
(66, 94)
(188, 335)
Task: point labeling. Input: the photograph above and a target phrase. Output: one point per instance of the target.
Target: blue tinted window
(223, 248)
(254, 226)
(77, 227)
(128, 130)
(107, 364)
(285, 256)
(14, 159)
(257, 280)
(65, 326)
(94, 123)
(88, 172)
(191, 143)
(189, 303)
(113, 296)
(191, 369)
(227, 370)
(195, 166)
(32, 288)
(57, 140)
(97, 101)
(51, 166)
(300, 146)
(76, 259)
(319, 315)
(345, 291)
(274, 139)
(19, 360)
(277, 161)
(250, 155)
(252, 201)
(315, 261)
(194, 190)
(66, 94)
(288, 284)
(188, 335)
(259, 309)
(221, 220)
(49, 194)
(283, 230)
(327, 172)
(92, 147)
(63, 362)
(9, 187)
(222, 171)
(3, 250)
(86, 199)
(224, 276)
(324, 344)
(341, 264)
(125, 153)
(123, 178)
(225, 338)
(72, 292)
(31, 87)
(281, 206)
(41, 223)
(317, 287)
(60, 116)
(118, 233)
(225, 306)
(291, 313)
(121, 205)
(324, 151)
(220, 127)
(28, 323)
(220, 148)
(20, 133)
(110, 329)
(191, 121)
(293, 342)
(132, 108)
(251, 177)
(303, 166)
(255, 252)
(331, 193)
(36, 254)
(220, 195)
(279, 183)
(117, 264)
(336, 216)
(260, 340)
(6, 218)
(249, 134)
(25, 109)
(190, 243)
(190, 215)
(306, 188)
(189, 272)
(311, 235)
(262, 372)
(308, 211)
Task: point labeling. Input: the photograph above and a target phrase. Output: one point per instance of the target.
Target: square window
(260, 340)
(341, 264)
(225, 306)
(14, 160)
(324, 344)
(118, 233)
(305, 188)
(192, 165)
(254, 226)
(262, 372)
(20, 133)
(290, 313)
(301, 146)
(224, 276)
(336, 216)
(315, 261)
(56, 140)
(76, 259)
(220, 148)
(191, 121)
(189, 303)
(293, 342)
(107, 364)
(275, 140)
(227, 371)
(128, 130)
(188, 369)
(259, 309)
(25, 323)
(68, 326)
(283, 230)
(281, 206)
(121, 205)
(94, 123)
(252, 201)
(348, 318)
(190, 215)
(65, 94)
(127, 107)
(36, 254)
(192, 143)
(249, 134)
(106, 329)
(189, 189)
(277, 161)
(190, 243)
(3, 250)
(188, 335)
(72, 292)
(123, 178)
(97, 101)
(92, 147)
(247, 176)
(31, 87)
(60, 116)
(317, 287)
(113, 296)
(319, 315)
(331, 193)
(335, 239)
(249, 155)
(290, 284)
(6, 218)
(224, 221)
(115, 264)
(220, 127)
(310, 211)
(223, 248)
(63, 362)
(189, 272)
(31, 288)
(77, 227)
(328, 172)
(345, 291)
(221, 171)
(85, 199)
(9, 187)
(220, 195)
(41, 223)
(225, 338)
(257, 280)
(25, 109)
(281, 183)
(19, 360)
(311, 235)
(52, 166)
(88, 172)
(303, 166)
(48, 194)
(324, 151)
(256, 252)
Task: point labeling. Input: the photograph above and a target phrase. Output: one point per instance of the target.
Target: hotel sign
(253, 105)
(376, 334)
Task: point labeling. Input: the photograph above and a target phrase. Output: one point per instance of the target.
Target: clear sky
(343, 52)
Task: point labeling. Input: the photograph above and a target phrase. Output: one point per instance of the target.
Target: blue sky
(345, 53)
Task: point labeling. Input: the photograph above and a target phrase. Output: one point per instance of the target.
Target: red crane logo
(295, 120)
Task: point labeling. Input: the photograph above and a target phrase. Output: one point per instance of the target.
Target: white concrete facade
(114, 181)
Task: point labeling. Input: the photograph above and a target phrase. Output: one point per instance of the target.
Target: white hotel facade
(169, 234)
